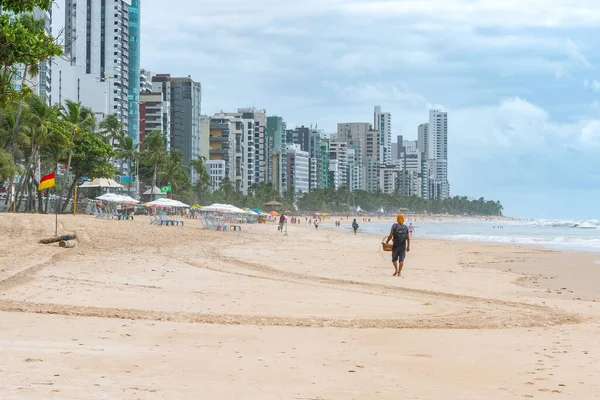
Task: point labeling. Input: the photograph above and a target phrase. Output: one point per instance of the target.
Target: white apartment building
(361, 137)
(97, 44)
(155, 115)
(338, 163)
(246, 125)
(382, 122)
(389, 178)
(216, 173)
(298, 168)
(437, 154)
(354, 171)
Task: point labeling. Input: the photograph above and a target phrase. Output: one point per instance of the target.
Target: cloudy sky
(518, 78)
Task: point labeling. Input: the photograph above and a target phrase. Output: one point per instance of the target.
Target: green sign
(165, 189)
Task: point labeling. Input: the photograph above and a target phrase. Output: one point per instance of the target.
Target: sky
(518, 79)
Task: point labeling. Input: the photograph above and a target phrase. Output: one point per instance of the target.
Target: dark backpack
(400, 234)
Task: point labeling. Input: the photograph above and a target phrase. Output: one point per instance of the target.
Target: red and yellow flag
(47, 181)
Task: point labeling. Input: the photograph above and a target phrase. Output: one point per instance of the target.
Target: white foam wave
(585, 224)
(560, 242)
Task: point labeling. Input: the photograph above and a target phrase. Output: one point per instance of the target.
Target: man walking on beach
(401, 245)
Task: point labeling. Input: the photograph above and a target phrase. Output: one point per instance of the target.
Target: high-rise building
(437, 154)
(383, 124)
(276, 139)
(222, 148)
(338, 163)
(355, 134)
(185, 98)
(323, 165)
(97, 41)
(297, 168)
(154, 115)
(134, 70)
(423, 138)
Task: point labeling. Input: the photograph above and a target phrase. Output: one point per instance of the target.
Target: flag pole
(56, 213)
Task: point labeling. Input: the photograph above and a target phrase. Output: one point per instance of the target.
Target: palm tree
(172, 171)
(40, 119)
(127, 152)
(156, 151)
(80, 118)
(111, 129)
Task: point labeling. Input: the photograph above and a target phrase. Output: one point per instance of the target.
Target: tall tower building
(97, 41)
(437, 154)
(134, 71)
(382, 122)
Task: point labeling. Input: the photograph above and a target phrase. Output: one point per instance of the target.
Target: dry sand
(144, 312)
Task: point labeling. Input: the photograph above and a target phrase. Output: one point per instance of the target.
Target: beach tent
(101, 183)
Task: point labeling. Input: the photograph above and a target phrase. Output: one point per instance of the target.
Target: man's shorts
(398, 253)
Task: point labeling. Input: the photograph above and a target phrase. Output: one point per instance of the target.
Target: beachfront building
(437, 154)
(323, 165)
(297, 168)
(154, 115)
(251, 146)
(222, 138)
(95, 68)
(382, 122)
(338, 163)
(354, 175)
(389, 179)
(276, 138)
(133, 129)
(216, 170)
(185, 99)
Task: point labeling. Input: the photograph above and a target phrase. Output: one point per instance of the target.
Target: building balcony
(218, 151)
(218, 139)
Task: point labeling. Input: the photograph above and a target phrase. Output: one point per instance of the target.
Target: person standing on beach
(411, 228)
(281, 222)
(401, 245)
(355, 226)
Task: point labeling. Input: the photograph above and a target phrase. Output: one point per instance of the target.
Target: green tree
(7, 165)
(81, 119)
(172, 172)
(156, 152)
(111, 128)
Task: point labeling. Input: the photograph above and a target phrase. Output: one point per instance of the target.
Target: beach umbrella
(117, 198)
(167, 203)
(223, 208)
(274, 213)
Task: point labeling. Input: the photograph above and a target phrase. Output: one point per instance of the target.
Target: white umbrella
(167, 203)
(116, 198)
(224, 208)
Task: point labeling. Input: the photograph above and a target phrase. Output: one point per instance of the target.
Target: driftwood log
(55, 239)
(69, 244)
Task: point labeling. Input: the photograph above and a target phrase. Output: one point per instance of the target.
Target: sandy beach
(144, 312)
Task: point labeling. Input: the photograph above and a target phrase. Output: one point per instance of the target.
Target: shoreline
(313, 314)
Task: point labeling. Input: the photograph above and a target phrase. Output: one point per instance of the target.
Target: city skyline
(506, 140)
(515, 85)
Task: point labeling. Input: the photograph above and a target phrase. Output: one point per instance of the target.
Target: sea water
(566, 235)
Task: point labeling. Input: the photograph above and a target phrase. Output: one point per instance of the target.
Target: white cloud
(466, 13)
(593, 85)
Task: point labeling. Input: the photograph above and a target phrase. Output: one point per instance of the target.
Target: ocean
(565, 235)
